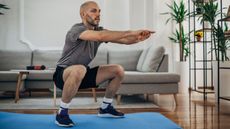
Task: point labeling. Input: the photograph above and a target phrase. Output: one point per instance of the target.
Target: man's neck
(88, 26)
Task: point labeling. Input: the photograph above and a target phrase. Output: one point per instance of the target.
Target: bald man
(81, 45)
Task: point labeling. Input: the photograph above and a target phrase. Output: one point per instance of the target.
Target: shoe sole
(109, 116)
(61, 125)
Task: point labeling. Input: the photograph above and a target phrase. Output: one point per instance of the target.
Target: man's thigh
(106, 72)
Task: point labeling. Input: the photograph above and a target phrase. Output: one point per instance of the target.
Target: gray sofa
(135, 81)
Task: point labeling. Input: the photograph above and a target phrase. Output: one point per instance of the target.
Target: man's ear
(83, 14)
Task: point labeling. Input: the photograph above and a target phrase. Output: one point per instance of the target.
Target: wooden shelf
(225, 97)
(207, 91)
(227, 34)
(225, 19)
(200, 42)
(204, 29)
(224, 68)
(207, 87)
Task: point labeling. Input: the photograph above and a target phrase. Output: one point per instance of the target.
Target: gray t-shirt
(77, 51)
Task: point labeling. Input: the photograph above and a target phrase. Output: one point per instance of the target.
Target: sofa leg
(54, 95)
(175, 98)
(94, 94)
(118, 99)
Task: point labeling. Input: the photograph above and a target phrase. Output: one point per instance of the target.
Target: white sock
(106, 102)
(63, 106)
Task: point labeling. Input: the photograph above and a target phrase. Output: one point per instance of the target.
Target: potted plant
(184, 38)
(209, 14)
(223, 42)
(198, 4)
(199, 35)
(2, 6)
(178, 13)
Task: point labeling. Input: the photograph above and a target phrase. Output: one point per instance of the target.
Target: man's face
(92, 14)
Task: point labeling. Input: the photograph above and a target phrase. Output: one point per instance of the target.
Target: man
(72, 72)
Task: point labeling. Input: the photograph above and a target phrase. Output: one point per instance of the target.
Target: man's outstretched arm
(133, 39)
(123, 37)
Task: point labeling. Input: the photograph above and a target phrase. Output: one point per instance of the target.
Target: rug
(147, 120)
(77, 103)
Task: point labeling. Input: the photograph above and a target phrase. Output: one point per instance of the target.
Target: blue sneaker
(110, 112)
(64, 121)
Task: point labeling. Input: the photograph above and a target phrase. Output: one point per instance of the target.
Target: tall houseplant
(184, 39)
(223, 43)
(209, 14)
(178, 13)
(198, 4)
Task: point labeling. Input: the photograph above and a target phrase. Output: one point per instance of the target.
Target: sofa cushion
(40, 75)
(8, 81)
(142, 59)
(126, 58)
(164, 88)
(14, 59)
(48, 58)
(101, 56)
(150, 77)
(152, 59)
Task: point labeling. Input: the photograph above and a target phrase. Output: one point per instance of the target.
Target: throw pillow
(152, 59)
(141, 59)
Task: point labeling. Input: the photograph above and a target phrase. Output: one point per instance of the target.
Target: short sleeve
(75, 32)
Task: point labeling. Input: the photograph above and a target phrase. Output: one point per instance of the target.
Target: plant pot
(182, 68)
(198, 39)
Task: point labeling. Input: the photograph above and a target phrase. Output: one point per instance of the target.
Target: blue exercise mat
(147, 120)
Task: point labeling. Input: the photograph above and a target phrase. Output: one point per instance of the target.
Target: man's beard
(91, 22)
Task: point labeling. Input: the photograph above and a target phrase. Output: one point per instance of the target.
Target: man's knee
(78, 72)
(119, 71)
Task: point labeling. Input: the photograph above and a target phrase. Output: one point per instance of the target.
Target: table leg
(18, 87)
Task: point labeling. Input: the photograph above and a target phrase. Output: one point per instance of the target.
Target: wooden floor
(190, 113)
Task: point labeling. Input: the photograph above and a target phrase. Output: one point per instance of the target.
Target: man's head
(90, 13)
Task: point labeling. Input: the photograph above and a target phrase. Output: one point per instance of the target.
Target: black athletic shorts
(89, 81)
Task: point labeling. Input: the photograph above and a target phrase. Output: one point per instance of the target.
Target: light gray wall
(44, 23)
(9, 26)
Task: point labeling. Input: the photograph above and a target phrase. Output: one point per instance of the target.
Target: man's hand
(135, 37)
(143, 35)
